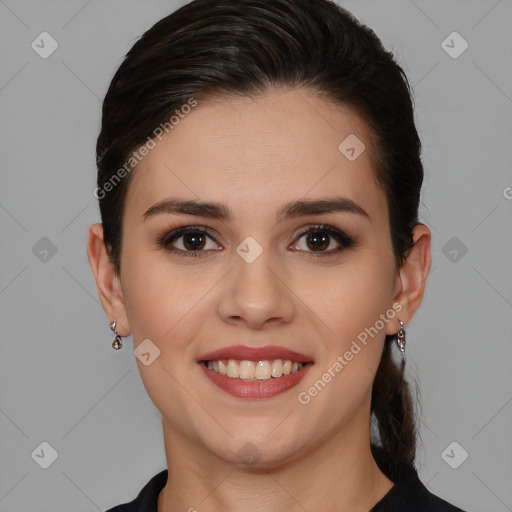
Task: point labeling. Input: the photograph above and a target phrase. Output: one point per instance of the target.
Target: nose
(256, 294)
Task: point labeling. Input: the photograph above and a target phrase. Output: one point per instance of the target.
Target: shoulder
(409, 493)
(440, 505)
(147, 499)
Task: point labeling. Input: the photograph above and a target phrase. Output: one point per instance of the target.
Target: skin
(255, 155)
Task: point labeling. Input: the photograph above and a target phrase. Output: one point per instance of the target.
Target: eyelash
(342, 238)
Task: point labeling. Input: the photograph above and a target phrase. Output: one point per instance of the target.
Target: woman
(259, 176)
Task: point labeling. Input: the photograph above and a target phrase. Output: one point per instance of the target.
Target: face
(316, 281)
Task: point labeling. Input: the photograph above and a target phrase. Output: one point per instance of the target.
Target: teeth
(233, 369)
(223, 369)
(250, 370)
(263, 370)
(247, 370)
(277, 368)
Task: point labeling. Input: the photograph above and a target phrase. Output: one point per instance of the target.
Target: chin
(256, 452)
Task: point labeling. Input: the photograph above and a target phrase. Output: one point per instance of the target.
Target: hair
(221, 48)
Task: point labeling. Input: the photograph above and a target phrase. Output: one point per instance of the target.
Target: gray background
(60, 380)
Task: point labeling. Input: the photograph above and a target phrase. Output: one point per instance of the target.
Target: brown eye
(188, 241)
(194, 241)
(318, 239)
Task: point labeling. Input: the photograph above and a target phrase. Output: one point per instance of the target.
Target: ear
(107, 281)
(411, 280)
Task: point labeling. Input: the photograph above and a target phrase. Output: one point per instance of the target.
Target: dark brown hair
(213, 48)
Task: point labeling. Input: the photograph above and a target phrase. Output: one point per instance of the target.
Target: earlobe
(107, 281)
(413, 275)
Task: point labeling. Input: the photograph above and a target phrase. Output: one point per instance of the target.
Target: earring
(400, 338)
(117, 343)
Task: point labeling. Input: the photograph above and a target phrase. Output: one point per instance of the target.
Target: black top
(408, 494)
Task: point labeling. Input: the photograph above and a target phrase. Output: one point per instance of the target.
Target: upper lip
(246, 353)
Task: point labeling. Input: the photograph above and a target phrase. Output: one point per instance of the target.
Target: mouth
(248, 372)
(254, 370)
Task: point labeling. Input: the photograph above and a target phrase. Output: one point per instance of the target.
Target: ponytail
(393, 409)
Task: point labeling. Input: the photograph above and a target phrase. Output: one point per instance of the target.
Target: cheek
(155, 299)
(350, 303)
(349, 298)
(163, 300)
(161, 304)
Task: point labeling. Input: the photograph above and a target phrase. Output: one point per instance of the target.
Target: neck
(338, 474)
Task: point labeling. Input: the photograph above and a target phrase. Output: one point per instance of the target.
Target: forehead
(261, 152)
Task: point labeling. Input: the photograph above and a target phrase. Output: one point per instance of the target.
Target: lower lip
(256, 389)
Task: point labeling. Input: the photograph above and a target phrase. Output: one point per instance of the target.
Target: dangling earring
(117, 343)
(400, 338)
(400, 341)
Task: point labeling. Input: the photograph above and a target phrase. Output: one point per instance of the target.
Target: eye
(194, 240)
(188, 241)
(319, 238)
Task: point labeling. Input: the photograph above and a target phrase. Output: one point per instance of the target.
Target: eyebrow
(290, 210)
